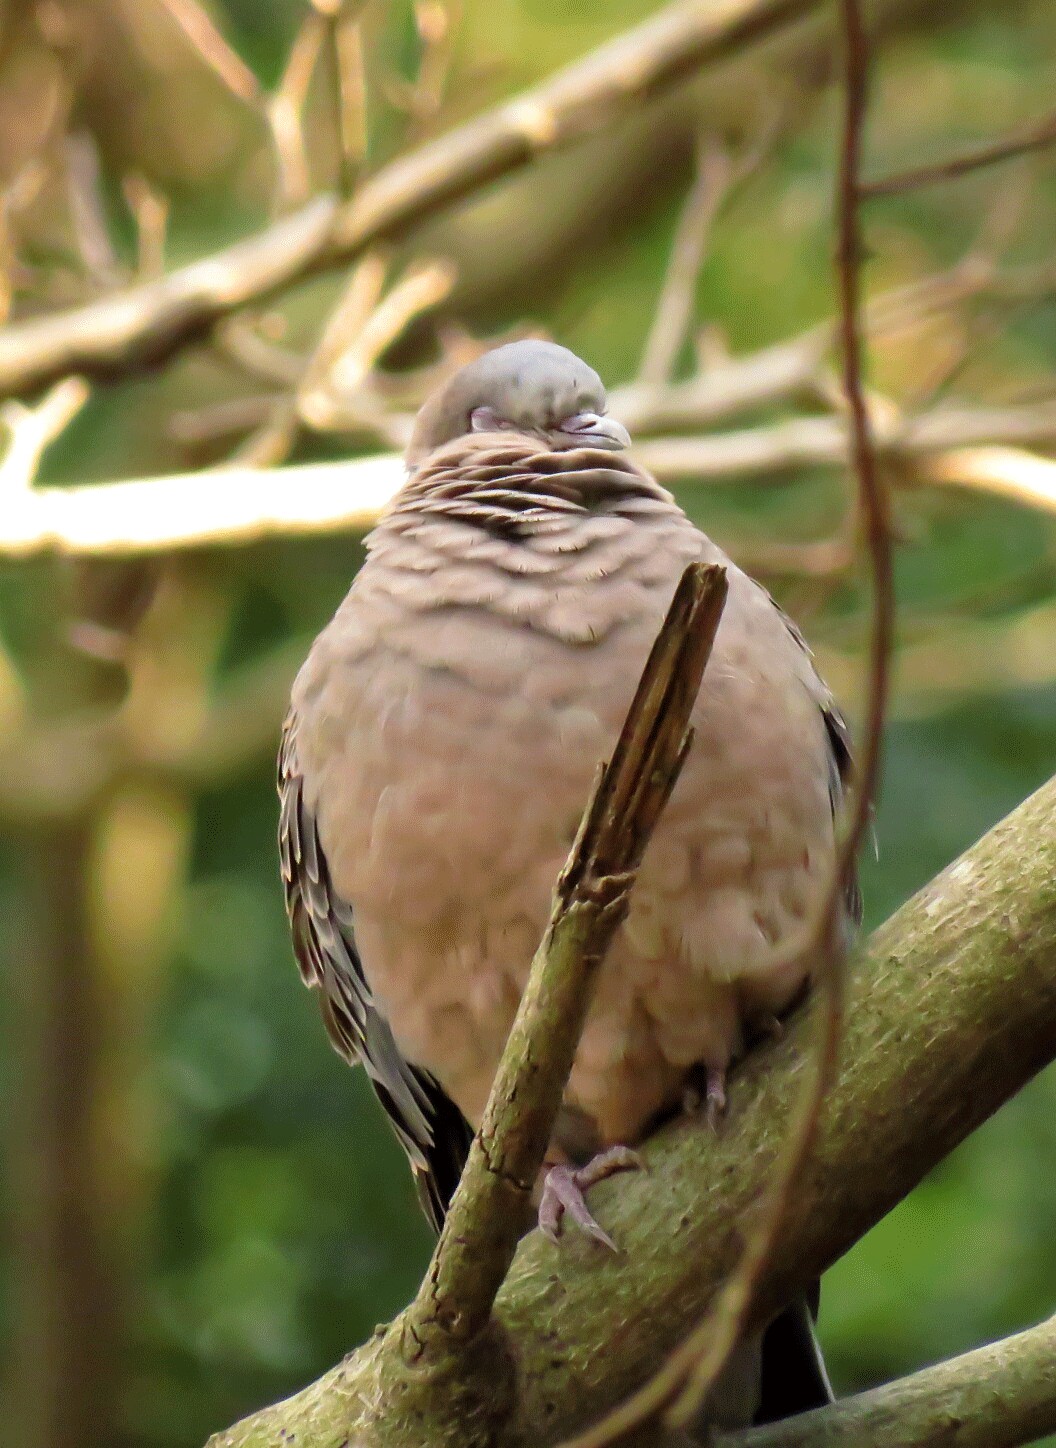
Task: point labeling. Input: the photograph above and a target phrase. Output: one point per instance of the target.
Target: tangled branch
(147, 322)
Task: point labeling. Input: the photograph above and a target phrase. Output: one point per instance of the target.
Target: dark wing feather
(431, 1129)
(841, 768)
(793, 1377)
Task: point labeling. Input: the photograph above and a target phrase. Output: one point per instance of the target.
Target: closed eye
(486, 419)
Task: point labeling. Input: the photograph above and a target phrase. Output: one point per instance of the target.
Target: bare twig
(674, 311)
(1020, 142)
(423, 286)
(329, 395)
(422, 98)
(88, 212)
(149, 321)
(150, 210)
(285, 109)
(192, 427)
(1004, 471)
(795, 369)
(19, 193)
(783, 372)
(225, 63)
(717, 174)
(487, 1215)
(119, 332)
(823, 441)
(239, 340)
(29, 432)
(350, 93)
(823, 951)
(999, 1396)
(682, 1385)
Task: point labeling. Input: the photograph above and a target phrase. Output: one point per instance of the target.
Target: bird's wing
(433, 1132)
(841, 756)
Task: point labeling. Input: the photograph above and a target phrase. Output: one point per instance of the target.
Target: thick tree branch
(148, 322)
(236, 506)
(999, 1396)
(203, 509)
(953, 1009)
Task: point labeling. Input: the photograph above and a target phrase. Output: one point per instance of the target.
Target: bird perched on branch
(441, 745)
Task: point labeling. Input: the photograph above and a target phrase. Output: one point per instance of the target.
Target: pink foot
(715, 1097)
(713, 1100)
(564, 1187)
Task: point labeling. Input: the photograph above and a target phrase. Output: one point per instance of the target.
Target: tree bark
(953, 1009)
(999, 1396)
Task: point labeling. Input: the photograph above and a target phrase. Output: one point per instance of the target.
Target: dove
(442, 740)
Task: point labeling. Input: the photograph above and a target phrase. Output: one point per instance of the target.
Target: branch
(681, 1387)
(146, 323)
(779, 373)
(30, 430)
(674, 309)
(329, 390)
(999, 1396)
(237, 506)
(795, 369)
(225, 63)
(1020, 142)
(963, 978)
(1005, 471)
(489, 1211)
(807, 442)
(194, 510)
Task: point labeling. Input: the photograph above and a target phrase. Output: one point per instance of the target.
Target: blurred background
(202, 1208)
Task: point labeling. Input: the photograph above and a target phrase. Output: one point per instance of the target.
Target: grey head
(529, 387)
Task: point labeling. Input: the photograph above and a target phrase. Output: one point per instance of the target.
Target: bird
(441, 743)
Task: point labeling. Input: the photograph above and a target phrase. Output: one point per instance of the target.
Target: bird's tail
(793, 1376)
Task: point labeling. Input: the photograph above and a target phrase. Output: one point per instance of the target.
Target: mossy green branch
(953, 1009)
(999, 1396)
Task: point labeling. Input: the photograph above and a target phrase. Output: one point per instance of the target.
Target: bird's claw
(715, 1098)
(564, 1187)
(712, 1102)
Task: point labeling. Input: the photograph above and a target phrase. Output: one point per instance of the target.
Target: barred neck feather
(500, 523)
(513, 486)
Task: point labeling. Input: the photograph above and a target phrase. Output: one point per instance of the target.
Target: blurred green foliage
(276, 1223)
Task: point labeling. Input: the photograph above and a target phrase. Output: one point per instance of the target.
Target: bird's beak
(596, 430)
